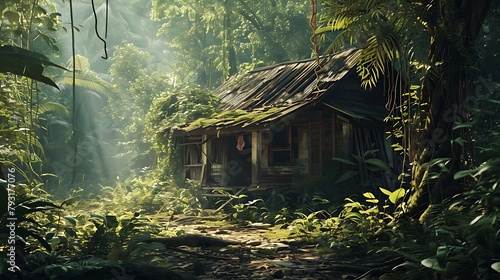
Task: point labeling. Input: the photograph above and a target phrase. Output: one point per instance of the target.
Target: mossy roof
(264, 95)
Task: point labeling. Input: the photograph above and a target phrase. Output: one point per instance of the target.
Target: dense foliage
(443, 63)
(96, 172)
(213, 40)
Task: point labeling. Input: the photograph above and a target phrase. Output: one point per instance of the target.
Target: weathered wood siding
(307, 142)
(192, 157)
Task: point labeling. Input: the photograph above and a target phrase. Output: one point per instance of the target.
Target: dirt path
(257, 256)
(261, 252)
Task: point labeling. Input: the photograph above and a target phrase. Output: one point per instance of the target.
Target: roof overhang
(240, 120)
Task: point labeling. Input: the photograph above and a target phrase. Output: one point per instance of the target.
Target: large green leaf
(375, 164)
(432, 263)
(397, 195)
(385, 191)
(463, 173)
(342, 160)
(25, 63)
(496, 266)
(346, 176)
(12, 17)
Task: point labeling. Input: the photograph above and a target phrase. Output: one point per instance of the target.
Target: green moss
(236, 116)
(277, 233)
(256, 116)
(216, 223)
(227, 115)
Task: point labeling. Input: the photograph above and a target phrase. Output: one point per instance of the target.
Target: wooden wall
(307, 141)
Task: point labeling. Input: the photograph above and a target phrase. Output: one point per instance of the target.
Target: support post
(205, 150)
(256, 157)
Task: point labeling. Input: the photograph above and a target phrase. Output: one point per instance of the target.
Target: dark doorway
(239, 161)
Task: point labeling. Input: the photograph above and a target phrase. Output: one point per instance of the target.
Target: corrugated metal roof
(266, 94)
(284, 84)
(371, 108)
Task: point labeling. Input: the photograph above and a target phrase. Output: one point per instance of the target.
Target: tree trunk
(228, 40)
(446, 91)
(202, 77)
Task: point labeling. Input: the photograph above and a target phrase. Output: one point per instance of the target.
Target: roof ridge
(264, 68)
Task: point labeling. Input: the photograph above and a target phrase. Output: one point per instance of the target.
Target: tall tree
(397, 34)
(29, 25)
(217, 37)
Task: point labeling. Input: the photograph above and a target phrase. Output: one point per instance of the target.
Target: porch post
(205, 151)
(256, 147)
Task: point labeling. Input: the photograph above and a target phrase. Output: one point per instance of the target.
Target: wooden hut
(278, 123)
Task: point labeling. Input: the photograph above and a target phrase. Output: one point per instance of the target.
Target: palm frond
(53, 107)
(340, 41)
(81, 64)
(379, 28)
(86, 82)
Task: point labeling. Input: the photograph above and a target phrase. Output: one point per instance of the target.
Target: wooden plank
(204, 159)
(265, 143)
(304, 149)
(189, 143)
(214, 188)
(256, 157)
(193, 165)
(216, 173)
(275, 176)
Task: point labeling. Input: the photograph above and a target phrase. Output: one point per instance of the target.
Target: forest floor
(261, 251)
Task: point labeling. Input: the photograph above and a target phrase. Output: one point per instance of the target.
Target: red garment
(240, 143)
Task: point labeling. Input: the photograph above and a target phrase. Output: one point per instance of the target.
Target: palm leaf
(90, 83)
(340, 41)
(385, 31)
(81, 64)
(54, 107)
(26, 63)
(85, 77)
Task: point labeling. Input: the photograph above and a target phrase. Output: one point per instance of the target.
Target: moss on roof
(223, 116)
(234, 117)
